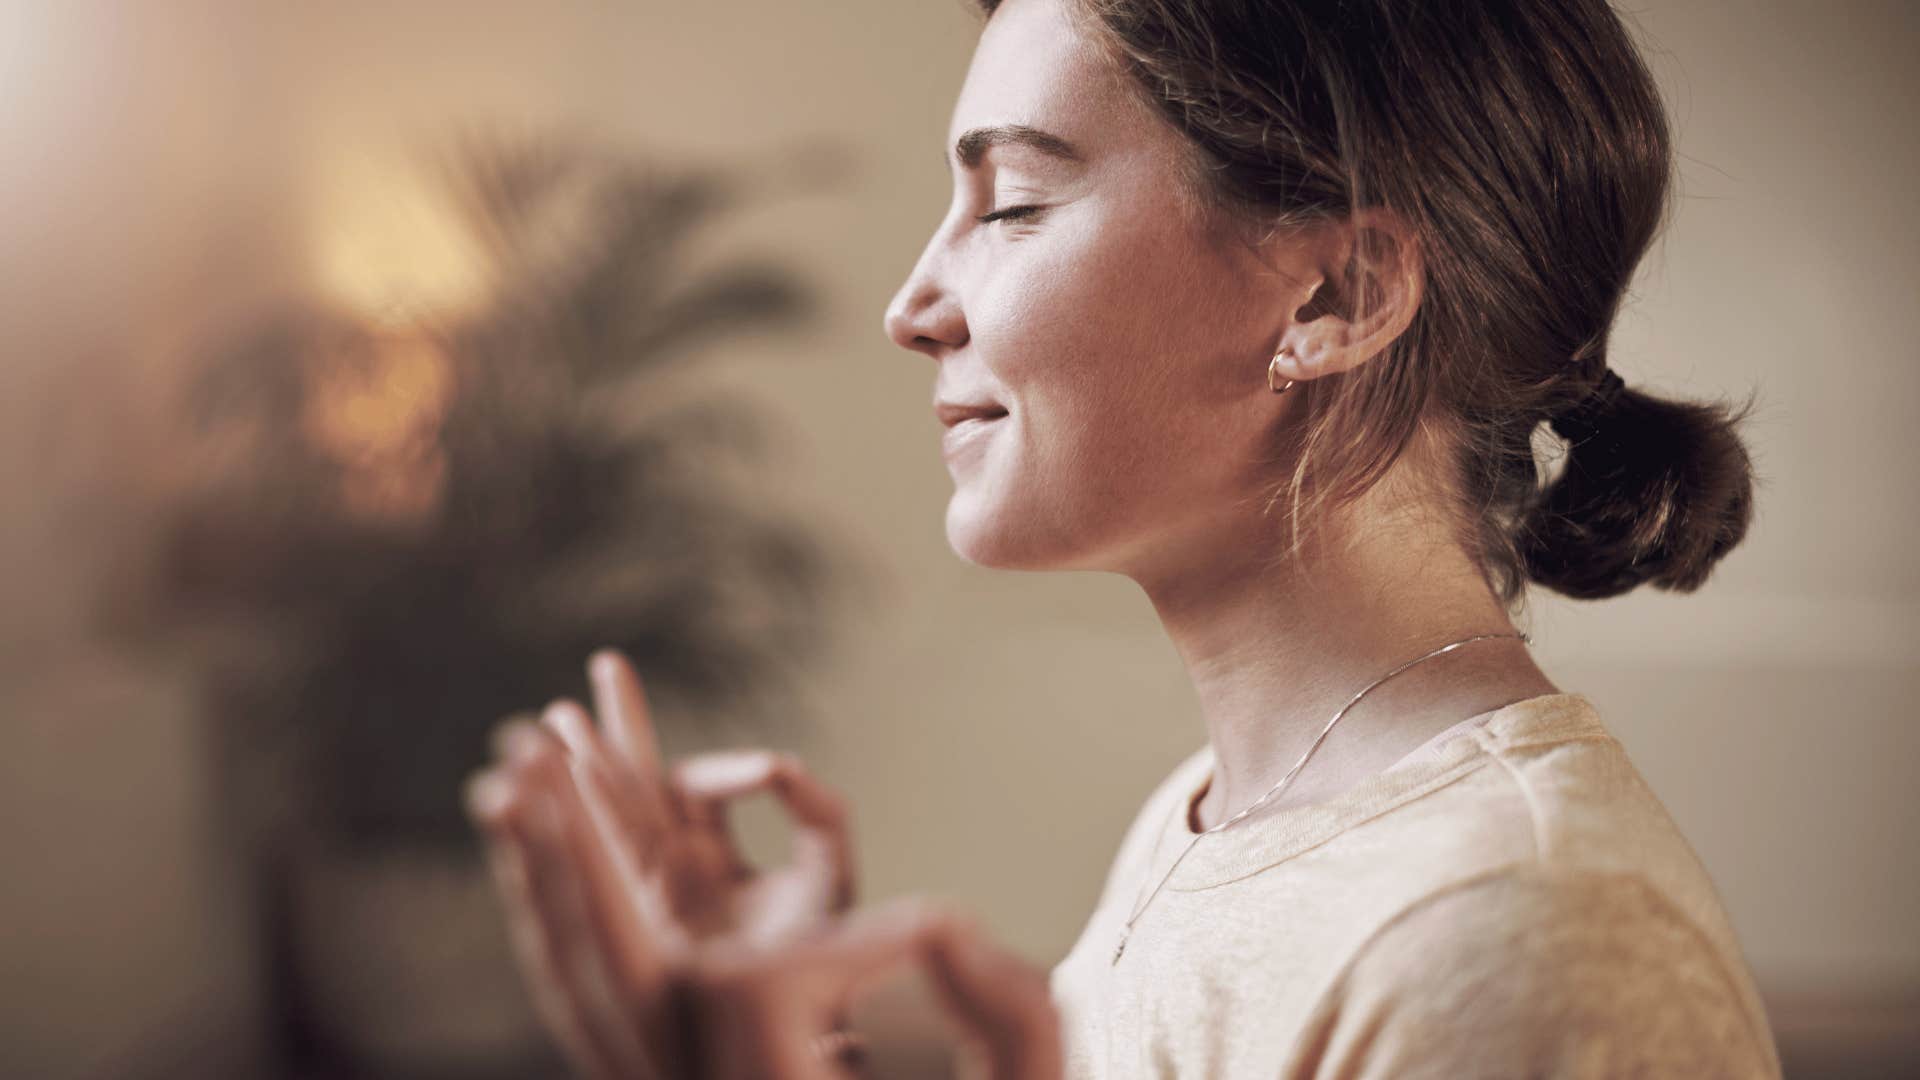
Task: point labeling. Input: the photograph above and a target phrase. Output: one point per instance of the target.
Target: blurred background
(364, 365)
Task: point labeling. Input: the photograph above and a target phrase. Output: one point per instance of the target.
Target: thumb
(998, 998)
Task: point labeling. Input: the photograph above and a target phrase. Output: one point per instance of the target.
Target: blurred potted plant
(395, 534)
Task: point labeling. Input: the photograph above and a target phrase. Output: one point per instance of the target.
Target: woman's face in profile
(1072, 286)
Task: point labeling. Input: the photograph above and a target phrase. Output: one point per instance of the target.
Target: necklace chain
(1127, 930)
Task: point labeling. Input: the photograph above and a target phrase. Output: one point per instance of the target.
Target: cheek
(1115, 342)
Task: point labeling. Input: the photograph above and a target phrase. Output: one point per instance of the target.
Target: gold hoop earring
(1273, 372)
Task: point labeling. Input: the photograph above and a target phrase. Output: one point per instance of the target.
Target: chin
(988, 536)
(974, 537)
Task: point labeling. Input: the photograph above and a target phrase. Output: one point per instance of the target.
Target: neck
(1275, 648)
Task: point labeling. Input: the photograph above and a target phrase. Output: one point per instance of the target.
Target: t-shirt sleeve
(1536, 973)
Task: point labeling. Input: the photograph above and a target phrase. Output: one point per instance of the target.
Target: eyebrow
(974, 144)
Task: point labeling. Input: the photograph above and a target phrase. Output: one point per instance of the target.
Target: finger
(822, 844)
(504, 794)
(629, 831)
(768, 1007)
(626, 729)
(516, 806)
(623, 861)
(489, 798)
(847, 953)
(540, 967)
(998, 999)
(629, 911)
(501, 737)
(520, 741)
(573, 937)
(495, 796)
(622, 707)
(638, 801)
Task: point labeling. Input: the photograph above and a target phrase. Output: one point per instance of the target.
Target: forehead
(1035, 65)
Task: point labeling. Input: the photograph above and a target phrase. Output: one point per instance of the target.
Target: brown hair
(1525, 146)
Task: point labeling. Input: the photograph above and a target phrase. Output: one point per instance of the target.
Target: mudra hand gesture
(652, 947)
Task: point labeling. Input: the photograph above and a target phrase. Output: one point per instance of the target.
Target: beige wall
(995, 731)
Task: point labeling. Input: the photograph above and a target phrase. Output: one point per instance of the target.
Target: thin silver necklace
(1127, 930)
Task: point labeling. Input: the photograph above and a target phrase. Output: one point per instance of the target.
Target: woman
(1262, 305)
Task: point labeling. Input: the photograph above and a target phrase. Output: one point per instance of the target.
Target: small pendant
(1120, 948)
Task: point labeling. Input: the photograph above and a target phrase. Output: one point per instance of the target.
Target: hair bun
(1582, 421)
(1657, 499)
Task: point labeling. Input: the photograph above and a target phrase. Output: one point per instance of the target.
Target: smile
(966, 433)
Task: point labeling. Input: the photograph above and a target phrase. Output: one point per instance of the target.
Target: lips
(967, 429)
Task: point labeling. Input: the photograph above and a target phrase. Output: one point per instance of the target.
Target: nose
(925, 314)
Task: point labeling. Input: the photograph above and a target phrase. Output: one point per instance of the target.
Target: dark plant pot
(396, 963)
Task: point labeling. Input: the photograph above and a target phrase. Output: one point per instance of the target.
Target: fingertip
(537, 767)
(781, 766)
(958, 940)
(562, 705)
(569, 721)
(719, 773)
(519, 743)
(606, 663)
(489, 797)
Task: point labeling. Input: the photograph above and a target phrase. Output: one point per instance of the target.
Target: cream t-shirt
(1509, 901)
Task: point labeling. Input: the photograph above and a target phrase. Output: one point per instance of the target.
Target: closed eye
(1011, 213)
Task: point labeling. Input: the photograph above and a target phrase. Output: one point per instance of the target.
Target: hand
(668, 832)
(728, 1008)
(763, 1012)
(617, 875)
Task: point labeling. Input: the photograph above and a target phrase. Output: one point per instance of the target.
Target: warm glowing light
(386, 247)
(377, 412)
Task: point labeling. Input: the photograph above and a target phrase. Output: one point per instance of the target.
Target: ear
(1369, 281)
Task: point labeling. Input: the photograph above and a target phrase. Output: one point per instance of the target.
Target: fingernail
(725, 769)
